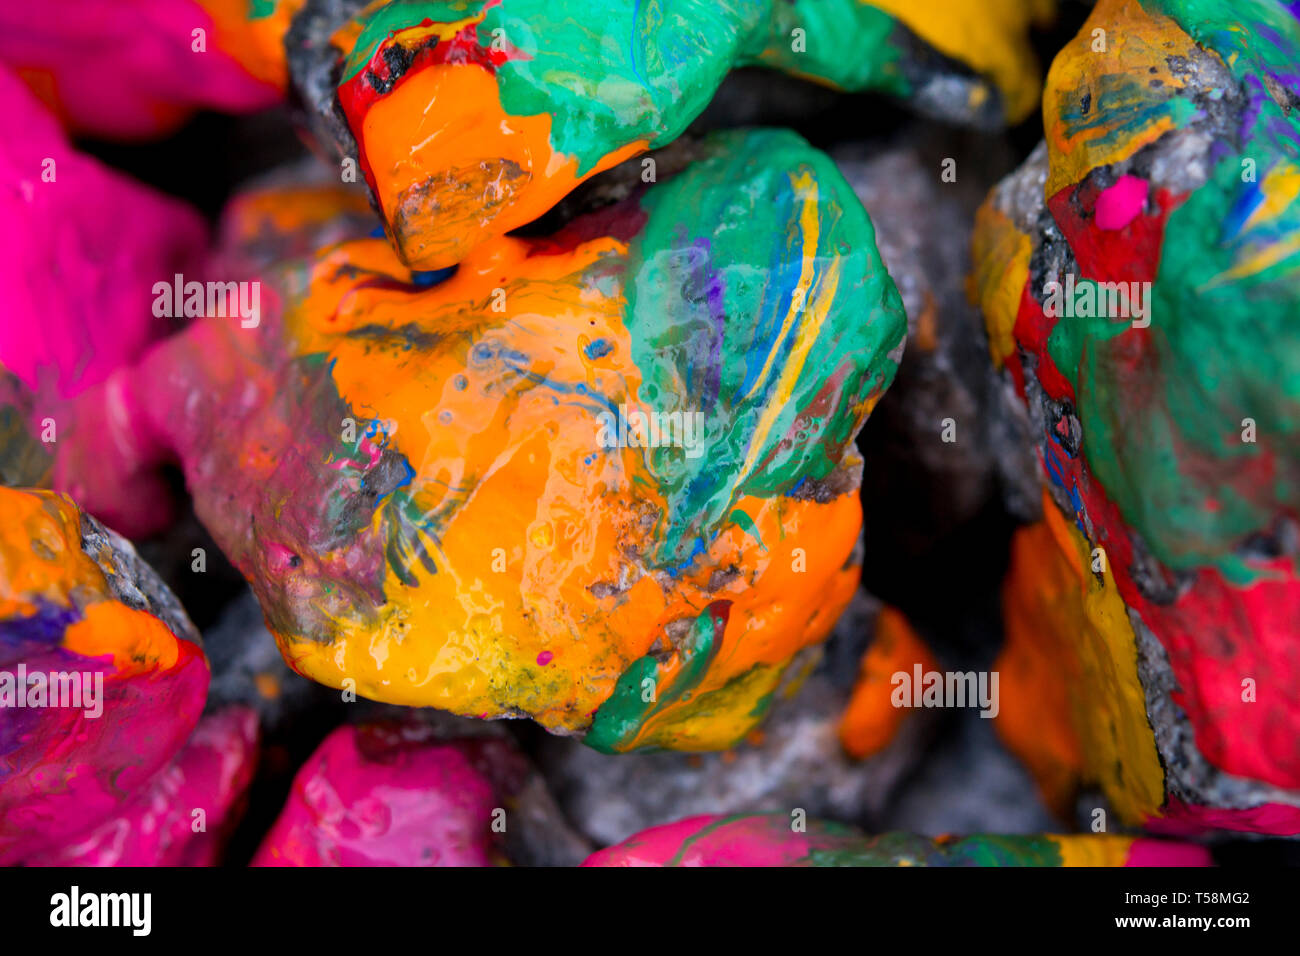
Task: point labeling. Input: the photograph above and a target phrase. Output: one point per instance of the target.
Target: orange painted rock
(605, 479)
(794, 759)
(872, 718)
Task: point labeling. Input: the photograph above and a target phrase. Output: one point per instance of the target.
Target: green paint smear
(621, 717)
(893, 849)
(743, 520)
(1222, 349)
(709, 310)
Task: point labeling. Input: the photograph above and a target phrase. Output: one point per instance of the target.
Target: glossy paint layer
(622, 452)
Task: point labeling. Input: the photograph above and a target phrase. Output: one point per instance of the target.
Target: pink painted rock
(102, 676)
(80, 253)
(394, 795)
(160, 825)
(134, 68)
(770, 840)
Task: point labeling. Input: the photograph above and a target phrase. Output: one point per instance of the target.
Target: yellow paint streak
(1001, 254)
(1072, 704)
(1281, 187)
(1268, 255)
(1098, 850)
(814, 302)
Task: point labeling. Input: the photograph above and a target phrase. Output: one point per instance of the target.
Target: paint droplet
(544, 658)
(1121, 203)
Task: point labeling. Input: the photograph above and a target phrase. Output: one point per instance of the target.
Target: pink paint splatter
(544, 658)
(1121, 203)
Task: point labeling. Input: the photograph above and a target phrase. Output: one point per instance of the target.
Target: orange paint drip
(870, 720)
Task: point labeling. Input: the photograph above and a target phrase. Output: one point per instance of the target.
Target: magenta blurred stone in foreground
(80, 250)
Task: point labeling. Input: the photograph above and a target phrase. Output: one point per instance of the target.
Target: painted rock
(604, 479)
(102, 676)
(83, 246)
(1140, 278)
(138, 68)
(185, 813)
(770, 840)
(470, 119)
(394, 794)
(924, 771)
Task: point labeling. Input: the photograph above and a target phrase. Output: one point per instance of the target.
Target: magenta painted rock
(102, 676)
(138, 68)
(183, 816)
(82, 247)
(771, 840)
(394, 795)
